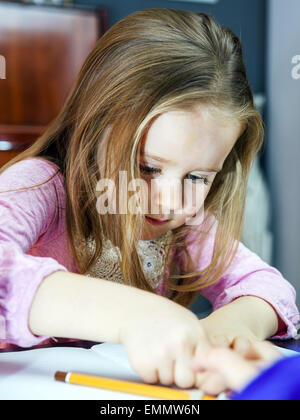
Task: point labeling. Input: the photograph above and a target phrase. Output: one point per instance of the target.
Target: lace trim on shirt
(152, 253)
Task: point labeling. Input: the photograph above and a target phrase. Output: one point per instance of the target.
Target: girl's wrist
(247, 316)
(224, 336)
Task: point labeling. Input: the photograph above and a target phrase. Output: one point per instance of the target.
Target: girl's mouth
(156, 222)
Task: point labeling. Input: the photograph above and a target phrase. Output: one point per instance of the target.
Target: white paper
(29, 375)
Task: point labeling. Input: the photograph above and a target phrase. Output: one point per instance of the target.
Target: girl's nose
(167, 196)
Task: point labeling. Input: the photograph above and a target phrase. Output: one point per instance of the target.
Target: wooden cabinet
(44, 48)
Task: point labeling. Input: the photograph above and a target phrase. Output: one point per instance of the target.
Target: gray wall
(283, 137)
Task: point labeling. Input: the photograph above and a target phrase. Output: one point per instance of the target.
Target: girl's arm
(160, 336)
(245, 317)
(27, 216)
(74, 306)
(250, 296)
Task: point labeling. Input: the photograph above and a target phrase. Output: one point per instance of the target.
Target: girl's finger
(213, 384)
(150, 376)
(201, 378)
(241, 345)
(220, 341)
(263, 351)
(166, 372)
(184, 376)
(202, 348)
(230, 366)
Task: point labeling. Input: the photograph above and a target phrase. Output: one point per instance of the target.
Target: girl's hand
(161, 339)
(221, 369)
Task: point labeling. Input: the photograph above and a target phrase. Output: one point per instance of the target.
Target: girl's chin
(152, 233)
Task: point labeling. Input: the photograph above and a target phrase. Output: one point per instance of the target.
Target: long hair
(152, 61)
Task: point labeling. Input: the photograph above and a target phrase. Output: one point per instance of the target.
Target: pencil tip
(60, 376)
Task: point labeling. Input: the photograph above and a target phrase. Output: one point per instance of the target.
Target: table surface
(19, 369)
(285, 344)
(288, 344)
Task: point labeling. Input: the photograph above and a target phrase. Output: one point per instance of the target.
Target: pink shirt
(34, 243)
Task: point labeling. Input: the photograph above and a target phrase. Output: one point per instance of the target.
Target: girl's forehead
(186, 135)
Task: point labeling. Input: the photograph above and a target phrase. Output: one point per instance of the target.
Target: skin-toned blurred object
(221, 368)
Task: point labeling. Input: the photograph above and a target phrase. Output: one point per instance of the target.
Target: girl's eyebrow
(160, 159)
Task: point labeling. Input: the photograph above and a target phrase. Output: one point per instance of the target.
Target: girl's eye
(149, 170)
(199, 178)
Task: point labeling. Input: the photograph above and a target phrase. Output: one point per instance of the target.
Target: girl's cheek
(194, 198)
(145, 193)
(192, 201)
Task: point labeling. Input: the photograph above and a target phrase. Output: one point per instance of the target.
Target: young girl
(163, 96)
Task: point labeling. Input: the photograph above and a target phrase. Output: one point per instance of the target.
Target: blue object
(281, 382)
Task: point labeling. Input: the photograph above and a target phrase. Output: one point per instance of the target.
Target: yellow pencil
(153, 391)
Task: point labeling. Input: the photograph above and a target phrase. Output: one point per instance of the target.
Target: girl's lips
(155, 221)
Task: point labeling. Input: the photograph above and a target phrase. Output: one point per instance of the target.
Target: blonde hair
(152, 61)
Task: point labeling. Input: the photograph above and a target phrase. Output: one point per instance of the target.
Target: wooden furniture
(44, 48)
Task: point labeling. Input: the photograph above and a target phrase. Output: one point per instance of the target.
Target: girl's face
(182, 145)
